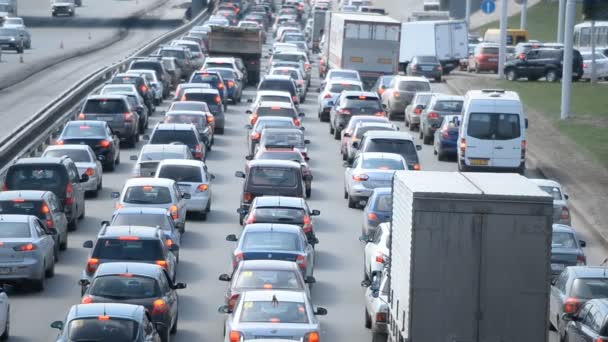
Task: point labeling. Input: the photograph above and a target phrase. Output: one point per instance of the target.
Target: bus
(582, 35)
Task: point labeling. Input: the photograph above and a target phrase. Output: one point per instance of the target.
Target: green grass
(542, 21)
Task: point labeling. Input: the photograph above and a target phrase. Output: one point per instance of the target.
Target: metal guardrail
(37, 132)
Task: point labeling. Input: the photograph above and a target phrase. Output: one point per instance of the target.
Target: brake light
(128, 117)
(59, 142)
(360, 177)
(198, 152)
(571, 305)
(600, 339)
(524, 144)
(307, 66)
(247, 196)
(202, 188)
(294, 99)
(173, 211)
(162, 263)
(168, 242)
(253, 118)
(581, 260)
(103, 318)
(92, 265)
(585, 65)
(81, 116)
(232, 300)
(312, 336)
(344, 111)
(301, 261)
(210, 118)
(380, 258)
(300, 82)
(220, 86)
(86, 300)
(564, 214)
(296, 122)
(433, 115)
(417, 167)
(396, 94)
(4, 187)
(414, 67)
(307, 227)
(143, 88)
(105, 143)
(230, 84)
(255, 136)
(183, 98)
(463, 146)
(372, 217)
(128, 238)
(159, 306)
(69, 200)
(327, 96)
(238, 257)
(235, 336)
(381, 317)
(444, 133)
(50, 224)
(418, 111)
(118, 206)
(28, 247)
(89, 172)
(379, 114)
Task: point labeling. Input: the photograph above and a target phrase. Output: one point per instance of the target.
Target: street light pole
(467, 13)
(560, 21)
(567, 69)
(502, 51)
(593, 66)
(523, 25)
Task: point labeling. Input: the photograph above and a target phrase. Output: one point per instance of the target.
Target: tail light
(444, 133)
(253, 118)
(307, 66)
(294, 99)
(174, 212)
(463, 146)
(118, 206)
(571, 305)
(238, 257)
(220, 86)
(581, 260)
(162, 263)
(210, 118)
(81, 116)
(300, 82)
(50, 224)
(301, 261)
(296, 121)
(372, 217)
(159, 306)
(202, 188)
(255, 136)
(524, 144)
(143, 88)
(600, 339)
(564, 214)
(585, 66)
(521, 56)
(360, 177)
(230, 84)
(92, 265)
(104, 143)
(381, 317)
(59, 142)
(416, 167)
(198, 152)
(86, 300)
(307, 227)
(247, 196)
(414, 67)
(234, 336)
(28, 247)
(418, 111)
(396, 94)
(218, 99)
(232, 300)
(439, 67)
(183, 98)
(380, 91)
(433, 115)
(128, 117)
(89, 172)
(312, 336)
(327, 96)
(169, 242)
(69, 199)
(344, 111)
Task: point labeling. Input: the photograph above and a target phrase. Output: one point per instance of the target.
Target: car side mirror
(231, 238)
(225, 277)
(115, 194)
(569, 317)
(239, 174)
(310, 280)
(364, 238)
(105, 223)
(224, 309)
(84, 282)
(356, 144)
(583, 243)
(186, 196)
(145, 137)
(88, 244)
(248, 157)
(418, 147)
(346, 164)
(321, 311)
(133, 158)
(179, 286)
(242, 211)
(84, 178)
(566, 196)
(248, 111)
(315, 212)
(306, 141)
(302, 128)
(302, 114)
(57, 325)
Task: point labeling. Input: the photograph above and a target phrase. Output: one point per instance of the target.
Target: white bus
(582, 35)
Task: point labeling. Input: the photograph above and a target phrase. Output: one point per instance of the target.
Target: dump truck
(245, 43)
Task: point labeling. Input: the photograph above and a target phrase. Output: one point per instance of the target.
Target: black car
(352, 103)
(58, 175)
(155, 64)
(543, 62)
(427, 66)
(280, 83)
(186, 134)
(215, 80)
(98, 135)
(142, 86)
(141, 284)
(590, 324)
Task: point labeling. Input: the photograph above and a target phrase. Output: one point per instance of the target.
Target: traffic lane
(35, 92)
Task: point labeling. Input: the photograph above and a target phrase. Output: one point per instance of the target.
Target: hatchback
(86, 163)
(378, 209)
(255, 131)
(413, 111)
(376, 251)
(203, 121)
(215, 80)
(328, 95)
(233, 83)
(135, 101)
(566, 249)
(281, 109)
(282, 83)
(348, 151)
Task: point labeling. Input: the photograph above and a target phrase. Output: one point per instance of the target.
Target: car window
(399, 146)
(148, 195)
(382, 164)
(274, 98)
(267, 279)
(197, 120)
(494, 126)
(161, 155)
(127, 286)
(345, 75)
(128, 248)
(384, 203)
(226, 73)
(37, 177)
(95, 329)
(162, 136)
(561, 281)
(279, 215)
(83, 130)
(588, 318)
(448, 106)
(209, 98)
(598, 319)
(275, 111)
(589, 288)
(20, 206)
(273, 176)
(489, 50)
(279, 155)
(427, 59)
(563, 240)
(205, 78)
(553, 191)
(293, 138)
(278, 85)
(271, 241)
(194, 106)
(361, 102)
(181, 173)
(105, 106)
(148, 220)
(14, 230)
(414, 86)
(273, 312)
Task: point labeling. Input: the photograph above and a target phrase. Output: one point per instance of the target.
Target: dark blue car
(379, 209)
(446, 137)
(214, 79)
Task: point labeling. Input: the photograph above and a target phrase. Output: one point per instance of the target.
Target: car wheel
(378, 337)
(336, 134)
(6, 334)
(344, 156)
(240, 220)
(551, 76)
(308, 192)
(133, 140)
(440, 156)
(511, 74)
(63, 245)
(438, 79)
(28, 45)
(84, 209)
(40, 283)
(165, 335)
(111, 165)
(174, 327)
(50, 273)
(100, 185)
(407, 122)
(73, 225)
(428, 139)
(351, 202)
(420, 133)
(202, 215)
(368, 320)
(331, 129)
(219, 130)
(345, 193)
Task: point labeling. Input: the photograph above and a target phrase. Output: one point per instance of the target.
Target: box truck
(469, 258)
(318, 28)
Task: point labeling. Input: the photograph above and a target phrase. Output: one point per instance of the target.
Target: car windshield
(414, 86)
(226, 73)
(186, 137)
(494, 126)
(37, 177)
(181, 173)
(83, 130)
(146, 194)
(384, 203)
(279, 215)
(399, 146)
(205, 78)
(563, 240)
(271, 241)
(273, 312)
(553, 191)
(197, 120)
(128, 248)
(14, 230)
(78, 156)
(362, 130)
(448, 106)
(105, 106)
(273, 177)
(124, 286)
(148, 220)
(209, 98)
(279, 85)
(102, 330)
(344, 75)
(589, 288)
(382, 164)
(276, 137)
(339, 87)
(267, 279)
(275, 111)
(192, 106)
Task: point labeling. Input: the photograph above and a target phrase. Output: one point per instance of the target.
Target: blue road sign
(488, 6)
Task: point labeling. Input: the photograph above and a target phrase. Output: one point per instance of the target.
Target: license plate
(6, 270)
(492, 59)
(184, 188)
(478, 162)
(106, 117)
(427, 68)
(557, 267)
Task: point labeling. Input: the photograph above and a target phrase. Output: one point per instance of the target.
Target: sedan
(439, 106)
(561, 210)
(85, 160)
(276, 314)
(278, 152)
(601, 65)
(98, 135)
(446, 137)
(378, 210)
(566, 249)
(376, 306)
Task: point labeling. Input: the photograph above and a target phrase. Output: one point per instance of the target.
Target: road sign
(488, 6)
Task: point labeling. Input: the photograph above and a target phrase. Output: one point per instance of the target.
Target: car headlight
(12, 39)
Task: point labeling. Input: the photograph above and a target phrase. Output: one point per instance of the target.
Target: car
(376, 251)
(329, 94)
(341, 74)
(151, 155)
(572, 289)
(382, 83)
(463, 63)
(356, 120)
(157, 87)
(400, 93)
(117, 112)
(413, 111)
(107, 322)
(439, 105)
(136, 283)
(226, 62)
(29, 251)
(561, 209)
(272, 96)
(192, 178)
(135, 100)
(348, 151)
(280, 109)
(63, 7)
(215, 80)
(141, 85)
(601, 65)
(376, 305)
(299, 65)
(175, 72)
(214, 102)
(233, 83)
(566, 249)
(378, 209)
(155, 193)
(129, 244)
(86, 162)
(484, 58)
(97, 135)
(425, 66)
(253, 275)
(156, 64)
(58, 175)
(493, 132)
(274, 241)
(350, 104)
(296, 75)
(543, 62)
(181, 88)
(187, 134)
(149, 217)
(370, 170)
(185, 60)
(589, 323)
(255, 131)
(280, 83)
(14, 38)
(202, 120)
(284, 137)
(289, 153)
(276, 313)
(270, 178)
(391, 142)
(196, 53)
(445, 142)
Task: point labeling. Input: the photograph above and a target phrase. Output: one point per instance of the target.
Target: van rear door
(479, 144)
(507, 140)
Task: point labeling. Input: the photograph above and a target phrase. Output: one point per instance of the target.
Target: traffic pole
(467, 13)
(502, 51)
(560, 21)
(593, 66)
(567, 70)
(523, 24)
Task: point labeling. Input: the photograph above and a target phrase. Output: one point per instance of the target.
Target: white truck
(469, 258)
(445, 39)
(366, 42)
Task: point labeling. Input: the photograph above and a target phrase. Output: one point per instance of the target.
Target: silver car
(561, 211)
(330, 93)
(192, 178)
(413, 111)
(368, 171)
(27, 250)
(157, 86)
(85, 160)
(272, 314)
(151, 155)
(376, 306)
(432, 115)
(357, 134)
(401, 92)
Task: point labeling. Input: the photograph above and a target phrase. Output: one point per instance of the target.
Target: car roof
(447, 97)
(274, 163)
(141, 211)
(344, 81)
(279, 201)
(140, 231)
(274, 93)
(143, 181)
(273, 118)
(24, 194)
(15, 218)
(184, 162)
(163, 148)
(268, 265)
(220, 59)
(280, 295)
(39, 160)
(562, 228)
(389, 135)
(128, 311)
(381, 155)
(364, 124)
(200, 90)
(67, 147)
(87, 122)
(272, 227)
(187, 112)
(277, 78)
(589, 271)
(135, 268)
(275, 104)
(173, 127)
(343, 70)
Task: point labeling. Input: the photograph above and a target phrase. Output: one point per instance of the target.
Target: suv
(58, 175)
(155, 64)
(391, 142)
(400, 93)
(349, 104)
(187, 134)
(117, 112)
(281, 83)
(543, 62)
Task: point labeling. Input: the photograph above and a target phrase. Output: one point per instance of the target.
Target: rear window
(179, 54)
(197, 120)
(382, 164)
(273, 123)
(14, 230)
(218, 65)
(414, 86)
(384, 203)
(273, 176)
(494, 126)
(105, 106)
(489, 50)
(148, 220)
(291, 73)
(268, 279)
(427, 59)
(273, 312)
(226, 73)
(162, 136)
(128, 249)
(202, 107)
(289, 57)
(106, 330)
(279, 215)
(82, 130)
(279, 85)
(275, 111)
(553, 191)
(339, 87)
(123, 287)
(275, 137)
(181, 173)
(162, 156)
(78, 156)
(124, 80)
(275, 155)
(209, 98)
(399, 146)
(37, 177)
(345, 75)
(148, 195)
(362, 130)
(23, 207)
(362, 102)
(205, 78)
(563, 240)
(449, 106)
(589, 288)
(275, 98)
(271, 241)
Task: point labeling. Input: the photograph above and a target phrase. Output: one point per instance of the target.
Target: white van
(493, 132)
